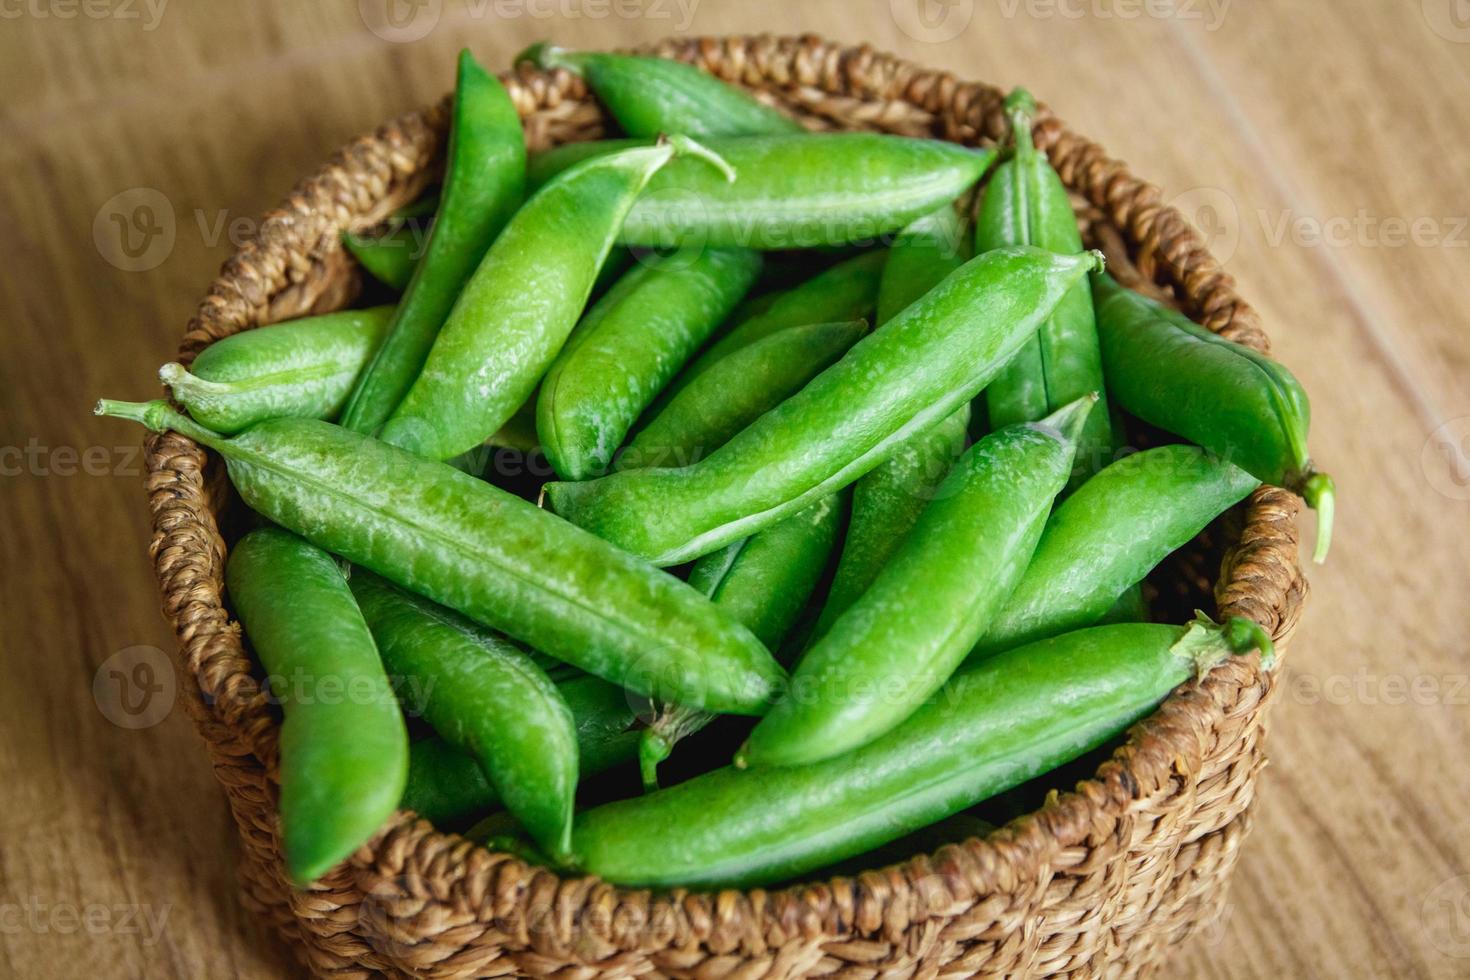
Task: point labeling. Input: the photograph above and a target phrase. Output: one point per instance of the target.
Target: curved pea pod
(627, 349)
(485, 695)
(803, 191)
(304, 368)
(762, 581)
(737, 390)
(1109, 534)
(886, 503)
(484, 179)
(446, 784)
(920, 257)
(897, 644)
(650, 96)
(1239, 404)
(518, 308)
(900, 379)
(993, 727)
(1025, 203)
(344, 747)
(489, 555)
(847, 291)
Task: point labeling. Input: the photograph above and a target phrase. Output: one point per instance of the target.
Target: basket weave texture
(1101, 881)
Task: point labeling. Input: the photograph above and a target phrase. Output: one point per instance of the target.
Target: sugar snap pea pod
(483, 694)
(302, 367)
(920, 257)
(1175, 374)
(490, 555)
(898, 380)
(994, 726)
(649, 96)
(390, 257)
(736, 391)
(886, 503)
(344, 748)
(484, 180)
(542, 166)
(516, 311)
(1109, 534)
(627, 349)
(1025, 203)
(446, 784)
(763, 581)
(903, 638)
(803, 191)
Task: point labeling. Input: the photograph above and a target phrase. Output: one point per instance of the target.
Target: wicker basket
(1099, 881)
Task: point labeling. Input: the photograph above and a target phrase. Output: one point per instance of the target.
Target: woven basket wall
(1103, 880)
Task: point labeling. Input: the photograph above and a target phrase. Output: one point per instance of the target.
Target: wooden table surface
(1323, 146)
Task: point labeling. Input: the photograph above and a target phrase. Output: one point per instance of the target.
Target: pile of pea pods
(833, 422)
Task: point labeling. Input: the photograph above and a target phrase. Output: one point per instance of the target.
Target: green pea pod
(1239, 404)
(846, 291)
(484, 180)
(650, 96)
(763, 581)
(446, 784)
(484, 695)
(886, 503)
(392, 256)
(628, 348)
(1109, 534)
(543, 166)
(1025, 203)
(736, 391)
(993, 727)
(902, 378)
(304, 368)
(920, 257)
(490, 555)
(344, 748)
(518, 308)
(803, 191)
(1130, 607)
(897, 644)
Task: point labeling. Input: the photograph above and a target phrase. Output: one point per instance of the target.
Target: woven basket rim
(294, 266)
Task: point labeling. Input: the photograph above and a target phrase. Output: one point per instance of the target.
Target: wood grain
(1272, 124)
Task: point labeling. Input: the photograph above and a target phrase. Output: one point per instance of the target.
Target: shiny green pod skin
(992, 727)
(847, 291)
(541, 167)
(763, 581)
(736, 391)
(886, 503)
(650, 96)
(304, 368)
(484, 180)
(490, 555)
(1239, 404)
(902, 378)
(1109, 534)
(344, 759)
(446, 784)
(802, 191)
(1025, 203)
(628, 348)
(920, 257)
(483, 694)
(903, 638)
(518, 308)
